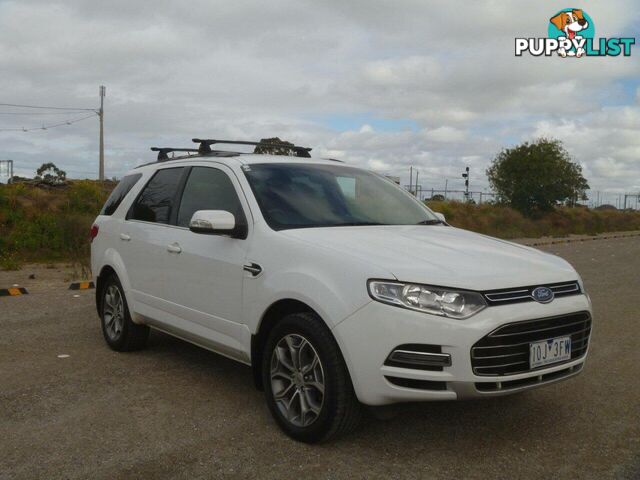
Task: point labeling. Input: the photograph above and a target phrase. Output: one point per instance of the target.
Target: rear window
(118, 193)
(157, 199)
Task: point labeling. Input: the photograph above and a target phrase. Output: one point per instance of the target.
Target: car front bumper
(369, 335)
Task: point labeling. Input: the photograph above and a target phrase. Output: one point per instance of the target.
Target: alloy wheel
(297, 380)
(113, 312)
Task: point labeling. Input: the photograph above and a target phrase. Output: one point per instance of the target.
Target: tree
(534, 177)
(50, 174)
(274, 150)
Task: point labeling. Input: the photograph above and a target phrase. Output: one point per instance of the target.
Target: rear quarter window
(118, 193)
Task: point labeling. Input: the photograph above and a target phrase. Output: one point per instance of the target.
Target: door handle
(253, 268)
(125, 237)
(174, 248)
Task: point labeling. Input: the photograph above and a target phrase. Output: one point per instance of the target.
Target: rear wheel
(119, 331)
(307, 385)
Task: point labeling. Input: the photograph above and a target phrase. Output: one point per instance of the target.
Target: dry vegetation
(48, 224)
(504, 222)
(52, 224)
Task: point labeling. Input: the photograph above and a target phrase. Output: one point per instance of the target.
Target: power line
(46, 108)
(49, 110)
(46, 127)
(39, 113)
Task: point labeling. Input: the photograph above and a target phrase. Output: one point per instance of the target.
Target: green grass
(38, 225)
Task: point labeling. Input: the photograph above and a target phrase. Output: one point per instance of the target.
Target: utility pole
(410, 179)
(446, 184)
(417, 173)
(101, 115)
(466, 183)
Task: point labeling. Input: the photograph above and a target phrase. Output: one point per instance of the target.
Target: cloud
(445, 135)
(419, 83)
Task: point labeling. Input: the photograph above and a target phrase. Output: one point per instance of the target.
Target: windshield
(303, 196)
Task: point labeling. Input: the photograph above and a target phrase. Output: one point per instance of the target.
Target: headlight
(458, 304)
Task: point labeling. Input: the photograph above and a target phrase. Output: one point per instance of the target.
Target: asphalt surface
(176, 411)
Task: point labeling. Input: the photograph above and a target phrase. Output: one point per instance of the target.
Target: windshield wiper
(326, 225)
(354, 224)
(430, 222)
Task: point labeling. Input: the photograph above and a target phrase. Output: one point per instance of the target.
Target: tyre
(306, 382)
(119, 331)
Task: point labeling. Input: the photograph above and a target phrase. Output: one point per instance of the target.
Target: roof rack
(205, 146)
(162, 152)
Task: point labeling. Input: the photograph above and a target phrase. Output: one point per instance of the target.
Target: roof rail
(205, 146)
(162, 152)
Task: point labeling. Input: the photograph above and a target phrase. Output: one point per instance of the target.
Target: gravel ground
(176, 411)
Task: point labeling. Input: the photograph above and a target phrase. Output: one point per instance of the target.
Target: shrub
(48, 224)
(9, 261)
(504, 222)
(85, 196)
(53, 224)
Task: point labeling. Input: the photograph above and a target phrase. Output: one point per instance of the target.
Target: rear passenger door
(145, 236)
(205, 272)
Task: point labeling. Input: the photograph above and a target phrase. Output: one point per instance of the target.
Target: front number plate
(549, 351)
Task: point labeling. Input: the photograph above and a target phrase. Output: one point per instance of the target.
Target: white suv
(336, 286)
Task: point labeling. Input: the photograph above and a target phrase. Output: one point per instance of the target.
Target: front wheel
(307, 385)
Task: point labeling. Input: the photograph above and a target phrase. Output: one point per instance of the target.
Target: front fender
(332, 300)
(326, 298)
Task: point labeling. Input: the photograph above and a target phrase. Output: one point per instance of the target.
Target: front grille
(506, 296)
(505, 351)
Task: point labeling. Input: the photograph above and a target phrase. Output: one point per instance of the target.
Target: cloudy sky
(381, 84)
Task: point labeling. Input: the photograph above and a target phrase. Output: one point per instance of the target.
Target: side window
(208, 189)
(156, 201)
(118, 193)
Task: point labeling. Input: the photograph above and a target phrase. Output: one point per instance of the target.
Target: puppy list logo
(571, 34)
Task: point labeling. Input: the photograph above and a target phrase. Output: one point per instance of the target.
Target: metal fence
(621, 201)
(595, 198)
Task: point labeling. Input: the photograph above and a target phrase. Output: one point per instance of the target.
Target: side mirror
(440, 217)
(212, 222)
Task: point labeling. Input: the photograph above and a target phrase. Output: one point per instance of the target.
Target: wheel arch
(272, 315)
(100, 280)
(112, 263)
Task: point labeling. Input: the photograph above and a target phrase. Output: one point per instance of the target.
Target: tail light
(94, 231)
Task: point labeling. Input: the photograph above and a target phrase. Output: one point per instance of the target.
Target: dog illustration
(570, 23)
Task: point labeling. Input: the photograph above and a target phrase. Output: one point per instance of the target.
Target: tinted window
(118, 193)
(302, 196)
(157, 199)
(208, 189)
